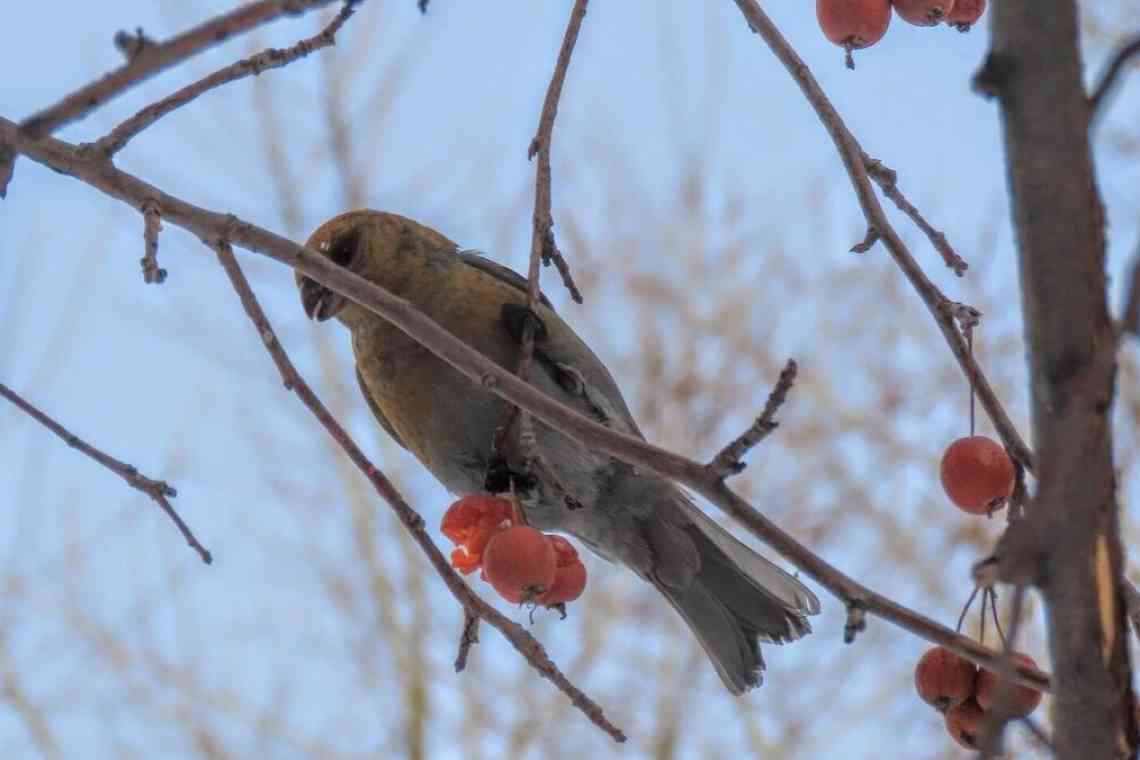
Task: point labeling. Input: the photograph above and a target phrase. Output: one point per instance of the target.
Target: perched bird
(731, 597)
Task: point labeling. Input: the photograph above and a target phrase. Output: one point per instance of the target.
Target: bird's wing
(567, 360)
(501, 273)
(376, 411)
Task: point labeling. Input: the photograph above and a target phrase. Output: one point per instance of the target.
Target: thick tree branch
(158, 490)
(474, 608)
(853, 158)
(210, 225)
(1069, 542)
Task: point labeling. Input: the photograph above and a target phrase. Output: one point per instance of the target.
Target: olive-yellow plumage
(730, 597)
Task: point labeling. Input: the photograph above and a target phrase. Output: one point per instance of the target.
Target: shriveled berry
(977, 474)
(520, 563)
(943, 679)
(470, 522)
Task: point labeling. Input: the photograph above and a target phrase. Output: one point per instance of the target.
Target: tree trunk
(1069, 545)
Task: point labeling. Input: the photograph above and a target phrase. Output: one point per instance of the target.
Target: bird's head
(380, 247)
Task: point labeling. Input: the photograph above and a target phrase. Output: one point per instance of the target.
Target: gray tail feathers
(737, 599)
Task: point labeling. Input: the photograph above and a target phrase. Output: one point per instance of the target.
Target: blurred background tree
(707, 222)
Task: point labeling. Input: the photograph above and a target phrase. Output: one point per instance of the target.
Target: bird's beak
(319, 302)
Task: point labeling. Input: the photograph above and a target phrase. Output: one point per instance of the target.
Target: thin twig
(730, 459)
(887, 179)
(266, 60)
(152, 225)
(158, 57)
(212, 225)
(852, 156)
(1110, 76)
(473, 605)
(467, 639)
(159, 491)
(542, 240)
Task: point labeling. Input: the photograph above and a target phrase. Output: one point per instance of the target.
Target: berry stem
(965, 609)
(973, 401)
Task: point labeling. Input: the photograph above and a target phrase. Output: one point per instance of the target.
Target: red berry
(1022, 699)
(923, 12)
(519, 562)
(965, 13)
(976, 474)
(569, 574)
(853, 24)
(943, 679)
(965, 723)
(470, 523)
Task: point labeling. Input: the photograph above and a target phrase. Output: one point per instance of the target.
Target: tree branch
(542, 243)
(473, 606)
(1111, 76)
(210, 225)
(272, 58)
(157, 490)
(852, 155)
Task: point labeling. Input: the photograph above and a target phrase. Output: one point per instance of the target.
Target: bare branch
(474, 607)
(152, 225)
(542, 241)
(266, 60)
(157, 490)
(1110, 76)
(887, 179)
(157, 57)
(467, 639)
(730, 459)
(211, 225)
(852, 156)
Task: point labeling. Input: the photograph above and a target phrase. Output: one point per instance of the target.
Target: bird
(731, 597)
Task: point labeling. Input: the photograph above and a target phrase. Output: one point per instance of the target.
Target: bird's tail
(737, 599)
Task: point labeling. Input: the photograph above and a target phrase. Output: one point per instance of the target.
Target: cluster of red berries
(963, 693)
(855, 24)
(521, 563)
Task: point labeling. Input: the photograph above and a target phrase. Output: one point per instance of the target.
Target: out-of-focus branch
(152, 59)
(852, 155)
(272, 58)
(157, 490)
(1130, 318)
(1111, 76)
(473, 606)
(542, 242)
(211, 225)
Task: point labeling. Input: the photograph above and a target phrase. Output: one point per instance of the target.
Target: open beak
(319, 302)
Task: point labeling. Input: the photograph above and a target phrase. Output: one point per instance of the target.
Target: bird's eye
(343, 249)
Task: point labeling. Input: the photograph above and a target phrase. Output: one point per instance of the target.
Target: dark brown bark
(1069, 545)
